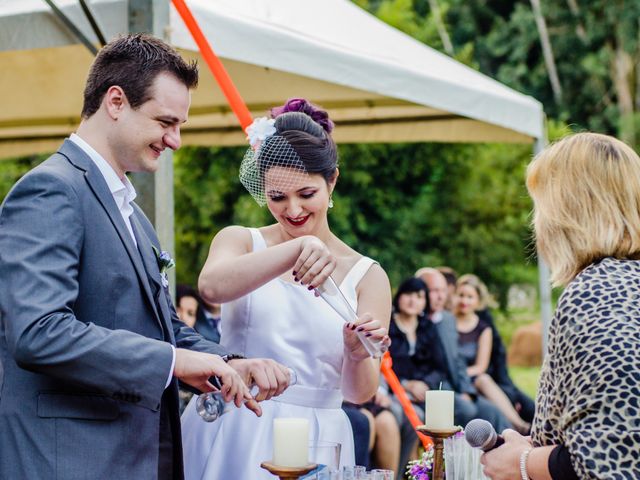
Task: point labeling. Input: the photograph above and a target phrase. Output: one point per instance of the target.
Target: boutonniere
(165, 262)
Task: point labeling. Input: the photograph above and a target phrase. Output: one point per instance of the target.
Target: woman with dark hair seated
(425, 356)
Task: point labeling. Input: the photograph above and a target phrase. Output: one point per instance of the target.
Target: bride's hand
(371, 328)
(314, 264)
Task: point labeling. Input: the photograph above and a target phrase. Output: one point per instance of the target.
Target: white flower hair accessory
(259, 130)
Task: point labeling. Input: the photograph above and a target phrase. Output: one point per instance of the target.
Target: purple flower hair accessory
(301, 105)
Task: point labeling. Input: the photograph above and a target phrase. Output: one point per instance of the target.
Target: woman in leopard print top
(586, 193)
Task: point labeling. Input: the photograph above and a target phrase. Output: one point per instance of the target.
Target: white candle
(439, 409)
(290, 442)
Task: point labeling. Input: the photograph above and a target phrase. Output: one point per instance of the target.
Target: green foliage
(12, 169)
(406, 205)
(466, 206)
(208, 197)
(596, 51)
(526, 379)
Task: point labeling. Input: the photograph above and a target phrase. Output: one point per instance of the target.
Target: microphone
(481, 434)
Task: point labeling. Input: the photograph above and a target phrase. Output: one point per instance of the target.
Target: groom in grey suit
(91, 349)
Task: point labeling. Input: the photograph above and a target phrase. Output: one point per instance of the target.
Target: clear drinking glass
(359, 472)
(381, 474)
(326, 455)
(328, 474)
(348, 473)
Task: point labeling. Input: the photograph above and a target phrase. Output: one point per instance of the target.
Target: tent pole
(155, 192)
(71, 26)
(544, 282)
(94, 23)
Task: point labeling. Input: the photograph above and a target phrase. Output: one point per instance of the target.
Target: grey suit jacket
(448, 334)
(85, 326)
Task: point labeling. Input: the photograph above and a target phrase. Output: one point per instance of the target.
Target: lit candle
(439, 409)
(290, 442)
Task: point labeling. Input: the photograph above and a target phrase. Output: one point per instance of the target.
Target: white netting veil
(274, 151)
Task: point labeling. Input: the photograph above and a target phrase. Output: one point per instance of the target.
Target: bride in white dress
(266, 279)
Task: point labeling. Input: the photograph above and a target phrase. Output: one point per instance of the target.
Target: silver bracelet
(523, 464)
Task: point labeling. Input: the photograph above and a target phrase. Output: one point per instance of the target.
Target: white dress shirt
(123, 194)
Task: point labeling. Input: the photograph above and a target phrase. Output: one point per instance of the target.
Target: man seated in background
(468, 404)
(436, 362)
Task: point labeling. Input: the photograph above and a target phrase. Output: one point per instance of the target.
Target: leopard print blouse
(589, 393)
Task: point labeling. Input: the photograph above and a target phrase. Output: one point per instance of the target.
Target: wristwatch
(232, 356)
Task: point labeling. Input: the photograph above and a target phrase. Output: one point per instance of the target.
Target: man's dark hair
(132, 62)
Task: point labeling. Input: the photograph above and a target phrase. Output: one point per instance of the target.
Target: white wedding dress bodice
(286, 322)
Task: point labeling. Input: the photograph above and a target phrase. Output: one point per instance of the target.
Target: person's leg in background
(361, 433)
(489, 412)
(386, 449)
(408, 436)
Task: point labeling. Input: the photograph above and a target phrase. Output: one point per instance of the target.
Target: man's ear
(115, 101)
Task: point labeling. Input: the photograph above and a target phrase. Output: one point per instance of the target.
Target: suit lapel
(98, 185)
(153, 273)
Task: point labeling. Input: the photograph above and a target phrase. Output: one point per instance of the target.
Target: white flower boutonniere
(259, 130)
(165, 262)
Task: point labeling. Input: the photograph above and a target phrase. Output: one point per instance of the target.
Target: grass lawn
(526, 378)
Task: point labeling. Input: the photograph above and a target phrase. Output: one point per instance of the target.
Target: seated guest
(425, 356)
(523, 404)
(586, 194)
(362, 432)
(208, 320)
(187, 303)
(452, 277)
(385, 431)
(475, 340)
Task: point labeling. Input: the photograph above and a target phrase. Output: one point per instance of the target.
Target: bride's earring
(330, 201)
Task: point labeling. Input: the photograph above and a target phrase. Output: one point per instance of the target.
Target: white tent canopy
(378, 84)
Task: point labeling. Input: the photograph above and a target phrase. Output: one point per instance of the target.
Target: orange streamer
(215, 65)
(399, 391)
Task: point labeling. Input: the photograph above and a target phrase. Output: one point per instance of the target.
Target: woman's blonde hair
(586, 194)
(484, 299)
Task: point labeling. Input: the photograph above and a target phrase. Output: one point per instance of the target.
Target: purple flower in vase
(421, 469)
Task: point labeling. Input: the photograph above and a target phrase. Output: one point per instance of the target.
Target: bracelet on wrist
(232, 356)
(524, 456)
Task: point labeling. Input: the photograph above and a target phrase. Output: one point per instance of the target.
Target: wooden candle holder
(288, 473)
(438, 437)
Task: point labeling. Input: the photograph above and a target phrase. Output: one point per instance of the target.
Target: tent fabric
(378, 84)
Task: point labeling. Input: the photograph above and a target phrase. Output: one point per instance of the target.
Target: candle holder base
(288, 473)
(438, 436)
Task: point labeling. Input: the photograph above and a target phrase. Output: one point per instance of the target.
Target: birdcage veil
(272, 151)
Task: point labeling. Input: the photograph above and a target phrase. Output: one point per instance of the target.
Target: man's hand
(269, 376)
(195, 368)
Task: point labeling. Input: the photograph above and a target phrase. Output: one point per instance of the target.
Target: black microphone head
(480, 434)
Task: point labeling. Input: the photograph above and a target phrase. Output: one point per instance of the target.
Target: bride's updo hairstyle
(307, 128)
